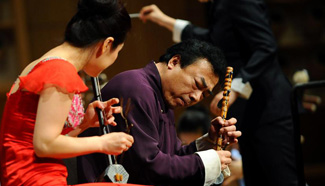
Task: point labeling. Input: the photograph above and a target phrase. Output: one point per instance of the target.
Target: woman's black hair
(96, 20)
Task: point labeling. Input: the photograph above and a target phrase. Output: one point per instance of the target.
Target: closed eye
(206, 92)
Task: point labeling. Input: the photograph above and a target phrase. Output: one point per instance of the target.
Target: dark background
(30, 28)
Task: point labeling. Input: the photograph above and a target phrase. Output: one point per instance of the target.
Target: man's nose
(196, 96)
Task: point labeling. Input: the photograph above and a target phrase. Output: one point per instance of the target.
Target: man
(241, 29)
(186, 74)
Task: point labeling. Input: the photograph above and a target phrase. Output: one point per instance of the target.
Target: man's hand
(214, 103)
(225, 127)
(225, 158)
(236, 169)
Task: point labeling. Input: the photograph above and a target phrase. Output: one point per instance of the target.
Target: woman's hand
(91, 118)
(225, 127)
(116, 142)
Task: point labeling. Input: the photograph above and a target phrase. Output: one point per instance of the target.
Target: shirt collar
(155, 82)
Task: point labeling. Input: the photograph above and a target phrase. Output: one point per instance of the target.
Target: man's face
(183, 87)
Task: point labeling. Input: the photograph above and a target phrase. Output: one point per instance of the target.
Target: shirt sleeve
(244, 89)
(212, 165)
(210, 159)
(204, 143)
(178, 29)
(195, 32)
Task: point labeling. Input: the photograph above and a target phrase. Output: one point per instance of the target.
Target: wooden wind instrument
(225, 100)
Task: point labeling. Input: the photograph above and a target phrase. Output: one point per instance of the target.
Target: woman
(44, 114)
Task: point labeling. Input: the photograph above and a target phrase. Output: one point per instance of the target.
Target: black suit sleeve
(194, 32)
(251, 26)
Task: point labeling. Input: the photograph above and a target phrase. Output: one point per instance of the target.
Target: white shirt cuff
(212, 165)
(226, 172)
(244, 89)
(178, 29)
(204, 143)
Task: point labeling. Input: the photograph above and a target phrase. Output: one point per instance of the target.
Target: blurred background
(29, 28)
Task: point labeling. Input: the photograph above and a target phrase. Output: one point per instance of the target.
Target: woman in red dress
(44, 113)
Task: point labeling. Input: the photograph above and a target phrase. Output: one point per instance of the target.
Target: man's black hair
(191, 50)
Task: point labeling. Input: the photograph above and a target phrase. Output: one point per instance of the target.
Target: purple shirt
(157, 156)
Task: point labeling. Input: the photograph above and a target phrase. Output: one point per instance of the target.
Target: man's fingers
(228, 129)
(218, 121)
(235, 134)
(146, 11)
(231, 121)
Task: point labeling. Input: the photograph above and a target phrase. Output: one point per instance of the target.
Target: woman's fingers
(97, 104)
(111, 121)
(112, 101)
(110, 109)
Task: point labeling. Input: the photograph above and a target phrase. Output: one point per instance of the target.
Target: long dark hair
(96, 20)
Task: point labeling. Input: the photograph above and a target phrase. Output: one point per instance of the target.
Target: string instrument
(225, 100)
(114, 172)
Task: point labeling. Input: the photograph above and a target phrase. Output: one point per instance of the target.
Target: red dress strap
(53, 72)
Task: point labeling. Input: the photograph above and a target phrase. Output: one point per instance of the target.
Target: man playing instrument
(184, 75)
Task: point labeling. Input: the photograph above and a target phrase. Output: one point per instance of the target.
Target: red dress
(19, 164)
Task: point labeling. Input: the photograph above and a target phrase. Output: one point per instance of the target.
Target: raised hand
(154, 14)
(225, 127)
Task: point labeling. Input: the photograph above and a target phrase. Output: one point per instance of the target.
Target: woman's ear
(174, 61)
(105, 46)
